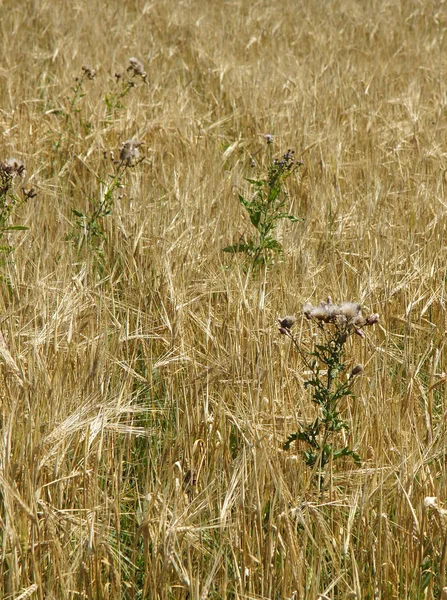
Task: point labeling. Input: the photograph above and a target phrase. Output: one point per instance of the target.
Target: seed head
(13, 167)
(137, 68)
(307, 310)
(321, 313)
(358, 321)
(89, 72)
(430, 501)
(347, 316)
(350, 309)
(129, 152)
(287, 322)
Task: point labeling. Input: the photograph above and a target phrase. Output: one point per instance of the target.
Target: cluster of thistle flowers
(282, 166)
(11, 169)
(286, 162)
(347, 317)
(135, 69)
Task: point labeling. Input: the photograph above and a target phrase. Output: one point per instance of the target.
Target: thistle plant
(330, 381)
(124, 83)
(78, 93)
(265, 207)
(73, 110)
(11, 171)
(91, 224)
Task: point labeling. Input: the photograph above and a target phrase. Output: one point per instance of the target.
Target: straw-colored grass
(146, 393)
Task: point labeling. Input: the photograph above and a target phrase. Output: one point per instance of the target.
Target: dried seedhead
(286, 324)
(13, 167)
(430, 502)
(89, 71)
(136, 68)
(346, 316)
(9, 170)
(129, 153)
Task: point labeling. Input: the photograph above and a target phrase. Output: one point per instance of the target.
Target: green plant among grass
(330, 380)
(265, 208)
(10, 200)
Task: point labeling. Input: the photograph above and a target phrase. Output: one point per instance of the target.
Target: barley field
(146, 391)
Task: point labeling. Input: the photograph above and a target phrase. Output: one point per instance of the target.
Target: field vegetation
(163, 436)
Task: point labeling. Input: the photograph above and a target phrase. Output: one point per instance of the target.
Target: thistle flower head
(430, 502)
(136, 68)
(286, 323)
(13, 167)
(9, 170)
(350, 309)
(89, 71)
(321, 313)
(129, 152)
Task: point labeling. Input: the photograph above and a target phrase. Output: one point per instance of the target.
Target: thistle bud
(372, 319)
(356, 370)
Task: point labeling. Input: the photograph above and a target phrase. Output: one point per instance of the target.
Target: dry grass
(145, 392)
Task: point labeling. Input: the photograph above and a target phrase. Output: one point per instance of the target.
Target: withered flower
(13, 167)
(89, 71)
(286, 323)
(346, 316)
(129, 152)
(137, 68)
